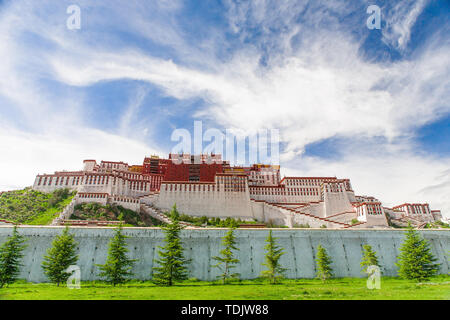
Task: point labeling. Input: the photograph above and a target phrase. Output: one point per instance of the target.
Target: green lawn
(346, 288)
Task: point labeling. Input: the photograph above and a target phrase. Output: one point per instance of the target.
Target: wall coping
(251, 229)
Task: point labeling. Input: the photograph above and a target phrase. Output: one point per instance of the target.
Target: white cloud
(310, 96)
(393, 174)
(27, 154)
(399, 21)
(129, 121)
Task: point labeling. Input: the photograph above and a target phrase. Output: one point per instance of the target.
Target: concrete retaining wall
(344, 246)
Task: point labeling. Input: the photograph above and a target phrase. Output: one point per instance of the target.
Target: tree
(369, 258)
(226, 260)
(416, 261)
(174, 214)
(10, 257)
(59, 257)
(274, 270)
(118, 266)
(172, 262)
(323, 260)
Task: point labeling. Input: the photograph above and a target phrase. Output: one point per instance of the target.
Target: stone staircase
(5, 222)
(328, 220)
(338, 217)
(66, 213)
(403, 222)
(148, 198)
(422, 225)
(156, 213)
(355, 225)
(313, 218)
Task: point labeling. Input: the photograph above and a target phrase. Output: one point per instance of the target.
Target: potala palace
(205, 185)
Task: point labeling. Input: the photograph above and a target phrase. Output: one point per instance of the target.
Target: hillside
(32, 207)
(95, 211)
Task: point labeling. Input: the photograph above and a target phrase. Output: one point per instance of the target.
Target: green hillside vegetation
(32, 207)
(437, 225)
(212, 222)
(96, 211)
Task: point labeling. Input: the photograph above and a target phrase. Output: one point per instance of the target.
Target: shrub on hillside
(26, 206)
(96, 211)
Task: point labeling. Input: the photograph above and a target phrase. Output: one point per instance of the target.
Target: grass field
(301, 289)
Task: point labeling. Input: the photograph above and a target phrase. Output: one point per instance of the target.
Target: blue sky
(370, 105)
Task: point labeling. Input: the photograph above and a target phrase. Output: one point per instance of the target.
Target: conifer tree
(174, 214)
(274, 270)
(172, 264)
(369, 258)
(59, 257)
(118, 266)
(323, 260)
(10, 258)
(226, 260)
(416, 261)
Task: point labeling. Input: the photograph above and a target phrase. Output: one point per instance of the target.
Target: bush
(302, 226)
(96, 211)
(216, 221)
(58, 196)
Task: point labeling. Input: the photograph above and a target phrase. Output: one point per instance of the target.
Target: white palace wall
(316, 208)
(282, 194)
(336, 202)
(268, 213)
(203, 202)
(94, 183)
(228, 196)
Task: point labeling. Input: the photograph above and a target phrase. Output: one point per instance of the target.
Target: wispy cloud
(27, 154)
(392, 173)
(399, 21)
(298, 66)
(313, 95)
(129, 121)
